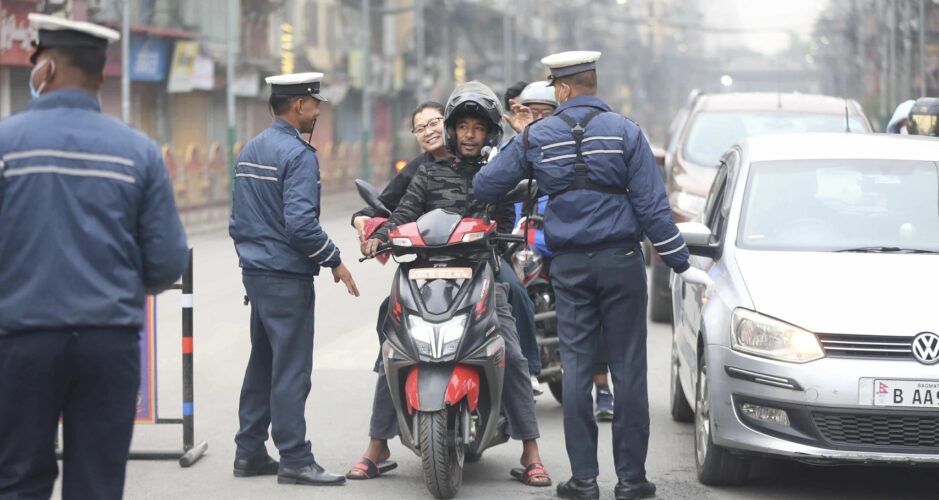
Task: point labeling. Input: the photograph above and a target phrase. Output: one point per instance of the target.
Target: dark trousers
(603, 291)
(277, 379)
(523, 310)
(517, 400)
(89, 377)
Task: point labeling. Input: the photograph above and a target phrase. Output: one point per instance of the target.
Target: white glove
(695, 276)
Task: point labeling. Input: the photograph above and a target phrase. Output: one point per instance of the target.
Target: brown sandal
(533, 475)
(366, 469)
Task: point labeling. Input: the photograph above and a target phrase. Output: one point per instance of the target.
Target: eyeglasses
(432, 123)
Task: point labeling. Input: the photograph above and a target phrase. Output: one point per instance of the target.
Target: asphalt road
(339, 405)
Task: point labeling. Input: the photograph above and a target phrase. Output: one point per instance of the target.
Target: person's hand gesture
(340, 273)
(520, 118)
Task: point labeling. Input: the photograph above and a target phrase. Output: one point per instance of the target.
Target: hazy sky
(774, 16)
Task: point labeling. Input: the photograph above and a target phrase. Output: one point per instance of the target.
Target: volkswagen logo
(926, 348)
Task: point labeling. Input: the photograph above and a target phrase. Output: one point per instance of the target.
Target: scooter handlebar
(382, 248)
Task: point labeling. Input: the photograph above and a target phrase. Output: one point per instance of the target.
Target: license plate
(907, 393)
(441, 273)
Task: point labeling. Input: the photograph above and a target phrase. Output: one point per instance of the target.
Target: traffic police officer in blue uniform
(281, 247)
(605, 194)
(88, 227)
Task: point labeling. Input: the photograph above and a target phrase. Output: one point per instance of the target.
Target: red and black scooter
(444, 356)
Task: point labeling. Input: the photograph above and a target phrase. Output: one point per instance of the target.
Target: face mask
(33, 91)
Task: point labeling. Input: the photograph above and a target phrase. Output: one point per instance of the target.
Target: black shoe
(579, 489)
(313, 475)
(633, 490)
(265, 466)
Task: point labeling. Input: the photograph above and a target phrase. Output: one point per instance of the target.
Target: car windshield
(714, 132)
(841, 205)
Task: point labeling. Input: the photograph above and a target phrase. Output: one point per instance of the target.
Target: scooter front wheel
(442, 453)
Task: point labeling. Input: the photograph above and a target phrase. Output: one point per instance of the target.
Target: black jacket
(446, 184)
(396, 188)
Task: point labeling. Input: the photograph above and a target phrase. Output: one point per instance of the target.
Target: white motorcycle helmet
(538, 93)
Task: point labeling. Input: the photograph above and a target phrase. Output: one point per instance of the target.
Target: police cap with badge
(297, 84)
(570, 63)
(56, 32)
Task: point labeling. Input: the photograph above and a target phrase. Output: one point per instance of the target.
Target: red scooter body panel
(409, 231)
(411, 392)
(463, 383)
(468, 226)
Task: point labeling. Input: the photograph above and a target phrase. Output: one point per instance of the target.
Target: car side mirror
(659, 154)
(698, 238)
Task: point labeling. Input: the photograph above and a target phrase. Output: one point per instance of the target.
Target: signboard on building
(183, 68)
(15, 33)
(150, 58)
(287, 61)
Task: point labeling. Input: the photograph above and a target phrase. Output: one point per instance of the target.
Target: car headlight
(760, 335)
(437, 339)
(690, 203)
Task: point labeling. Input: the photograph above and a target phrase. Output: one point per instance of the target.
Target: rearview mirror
(371, 196)
(698, 238)
(659, 155)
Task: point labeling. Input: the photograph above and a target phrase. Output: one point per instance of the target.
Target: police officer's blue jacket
(618, 158)
(87, 218)
(276, 207)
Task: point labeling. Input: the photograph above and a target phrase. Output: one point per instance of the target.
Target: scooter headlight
(523, 261)
(422, 333)
(437, 339)
(451, 332)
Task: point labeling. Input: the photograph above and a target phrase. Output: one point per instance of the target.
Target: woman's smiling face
(428, 129)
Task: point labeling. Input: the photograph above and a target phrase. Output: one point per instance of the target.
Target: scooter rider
(471, 126)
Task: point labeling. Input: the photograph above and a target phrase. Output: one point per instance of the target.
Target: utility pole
(892, 56)
(922, 47)
(366, 98)
(230, 48)
(506, 47)
(421, 49)
(125, 62)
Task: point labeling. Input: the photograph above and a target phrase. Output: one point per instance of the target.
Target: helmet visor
(925, 124)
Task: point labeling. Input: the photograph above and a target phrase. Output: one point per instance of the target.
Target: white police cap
(297, 84)
(60, 32)
(570, 63)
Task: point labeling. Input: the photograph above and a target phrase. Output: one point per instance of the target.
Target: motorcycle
(444, 357)
(532, 270)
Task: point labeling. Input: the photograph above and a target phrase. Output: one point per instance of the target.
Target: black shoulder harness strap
(581, 180)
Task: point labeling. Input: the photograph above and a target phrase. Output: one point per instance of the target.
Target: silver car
(819, 339)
